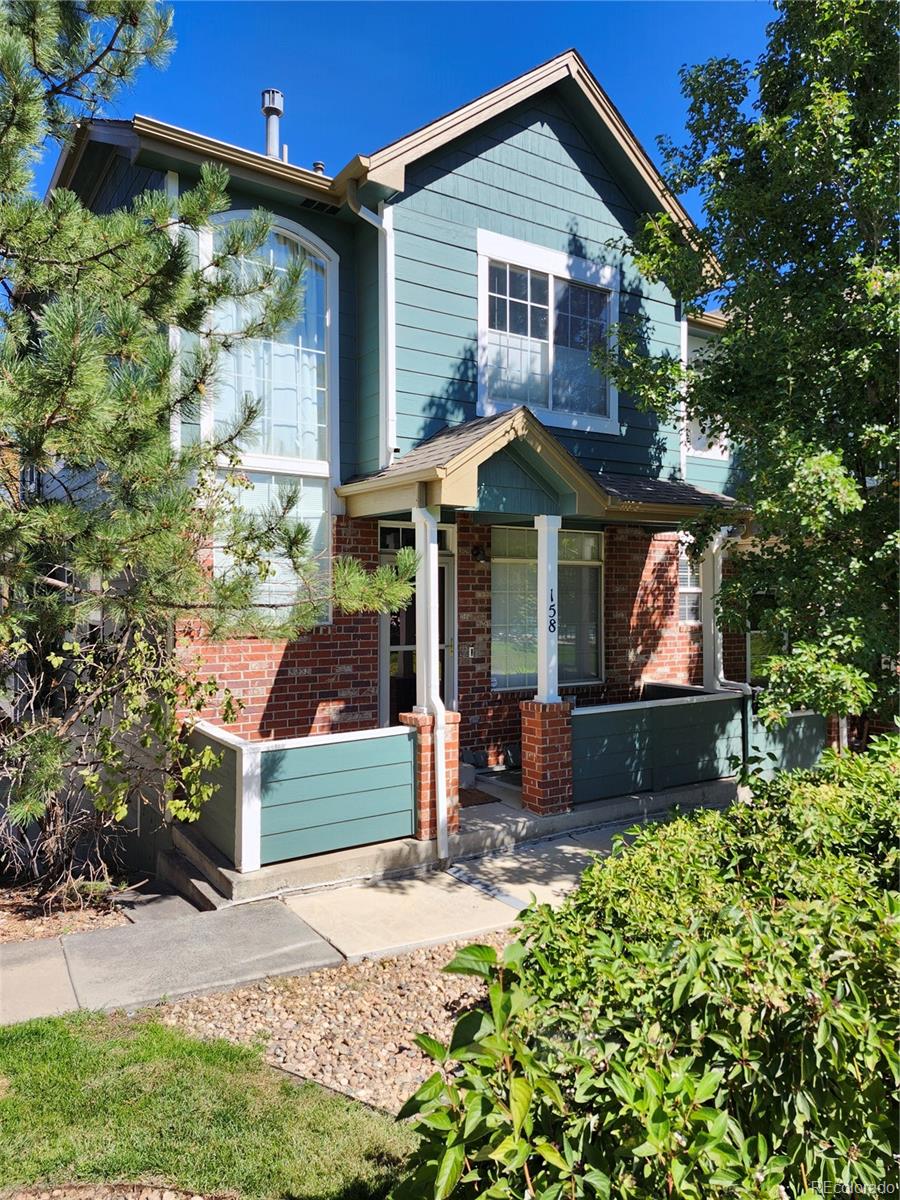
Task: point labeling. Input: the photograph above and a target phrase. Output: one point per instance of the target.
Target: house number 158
(551, 614)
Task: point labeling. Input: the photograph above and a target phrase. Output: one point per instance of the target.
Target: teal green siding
(530, 175)
(656, 745)
(217, 817)
(506, 486)
(714, 474)
(367, 415)
(798, 744)
(332, 796)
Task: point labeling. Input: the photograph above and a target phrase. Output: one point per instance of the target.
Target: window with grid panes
(514, 607)
(542, 330)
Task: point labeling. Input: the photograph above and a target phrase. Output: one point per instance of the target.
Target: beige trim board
(387, 166)
(454, 483)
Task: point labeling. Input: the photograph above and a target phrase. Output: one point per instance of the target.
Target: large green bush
(712, 1013)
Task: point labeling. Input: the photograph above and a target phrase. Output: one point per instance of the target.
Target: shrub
(711, 1013)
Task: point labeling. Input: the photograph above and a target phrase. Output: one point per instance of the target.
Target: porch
(551, 632)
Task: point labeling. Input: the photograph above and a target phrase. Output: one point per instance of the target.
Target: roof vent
(273, 109)
(319, 167)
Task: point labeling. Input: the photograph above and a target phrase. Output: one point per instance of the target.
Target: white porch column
(710, 582)
(547, 607)
(427, 599)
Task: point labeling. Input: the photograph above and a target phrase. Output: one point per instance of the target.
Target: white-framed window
(514, 607)
(696, 442)
(541, 313)
(690, 593)
(292, 379)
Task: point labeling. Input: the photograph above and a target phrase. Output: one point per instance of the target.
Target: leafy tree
(106, 530)
(708, 1015)
(794, 160)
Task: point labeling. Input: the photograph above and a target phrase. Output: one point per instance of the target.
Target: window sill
(529, 688)
(577, 422)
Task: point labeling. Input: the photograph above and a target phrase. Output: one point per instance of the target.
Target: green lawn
(116, 1099)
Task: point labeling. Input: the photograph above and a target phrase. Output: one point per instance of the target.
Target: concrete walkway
(144, 963)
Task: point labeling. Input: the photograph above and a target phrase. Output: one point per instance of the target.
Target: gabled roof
(443, 471)
(387, 166)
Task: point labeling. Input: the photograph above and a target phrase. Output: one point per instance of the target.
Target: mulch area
(23, 918)
(350, 1028)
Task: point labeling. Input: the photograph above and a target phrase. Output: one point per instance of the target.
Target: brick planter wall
(546, 757)
(426, 807)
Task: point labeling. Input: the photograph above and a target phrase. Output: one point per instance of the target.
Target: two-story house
(438, 391)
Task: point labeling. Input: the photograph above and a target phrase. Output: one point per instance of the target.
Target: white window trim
(329, 468)
(690, 590)
(451, 642)
(719, 451)
(596, 564)
(562, 266)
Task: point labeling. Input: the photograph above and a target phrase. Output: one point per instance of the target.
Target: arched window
(291, 379)
(286, 377)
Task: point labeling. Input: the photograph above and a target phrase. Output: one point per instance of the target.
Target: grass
(113, 1099)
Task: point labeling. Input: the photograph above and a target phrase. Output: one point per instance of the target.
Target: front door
(397, 652)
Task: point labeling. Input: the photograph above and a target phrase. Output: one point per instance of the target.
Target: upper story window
(291, 381)
(285, 377)
(291, 378)
(696, 440)
(541, 315)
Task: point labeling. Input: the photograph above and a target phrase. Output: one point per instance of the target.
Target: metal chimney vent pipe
(319, 167)
(273, 109)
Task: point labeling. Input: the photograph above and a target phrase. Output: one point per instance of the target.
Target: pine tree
(106, 529)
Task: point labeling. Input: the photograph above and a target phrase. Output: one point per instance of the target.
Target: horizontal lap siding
(217, 817)
(798, 744)
(330, 797)
(655, 747)
(530, 175)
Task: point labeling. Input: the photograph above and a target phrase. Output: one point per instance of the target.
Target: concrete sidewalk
(141, 964)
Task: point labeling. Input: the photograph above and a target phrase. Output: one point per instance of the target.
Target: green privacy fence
(653, 744)
(298, 796)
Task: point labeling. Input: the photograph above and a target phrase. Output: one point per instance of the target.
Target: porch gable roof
(443, 472)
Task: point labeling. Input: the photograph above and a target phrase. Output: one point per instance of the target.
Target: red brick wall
(426, 803)
(644, 638)
(325, 682)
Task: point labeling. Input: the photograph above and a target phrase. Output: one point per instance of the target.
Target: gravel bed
(351, 1027)
(22, 917)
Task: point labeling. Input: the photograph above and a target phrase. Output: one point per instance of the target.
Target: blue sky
(358, 75)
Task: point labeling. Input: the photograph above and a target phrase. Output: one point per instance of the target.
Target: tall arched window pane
(285, 377)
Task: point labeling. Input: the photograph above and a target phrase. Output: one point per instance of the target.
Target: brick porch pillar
(546, 757)
(426, 807)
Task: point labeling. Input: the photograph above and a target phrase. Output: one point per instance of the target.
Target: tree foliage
(107, 531)
(710, 1014)
(794, 161)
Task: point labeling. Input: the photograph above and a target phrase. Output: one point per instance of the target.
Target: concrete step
(382, 860)
(179, 873)
(204, 858)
